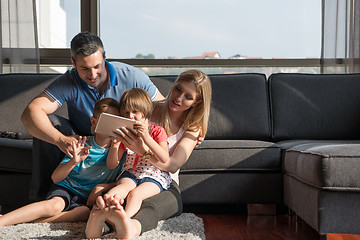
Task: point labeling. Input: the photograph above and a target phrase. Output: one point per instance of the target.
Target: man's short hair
(85, 43)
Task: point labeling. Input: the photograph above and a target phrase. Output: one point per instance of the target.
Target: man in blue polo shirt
(92, 78)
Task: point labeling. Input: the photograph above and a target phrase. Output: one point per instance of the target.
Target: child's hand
(80, 152)
(142, 129)
(115, 142)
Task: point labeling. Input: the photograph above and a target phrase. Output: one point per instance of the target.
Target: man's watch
(148, 154)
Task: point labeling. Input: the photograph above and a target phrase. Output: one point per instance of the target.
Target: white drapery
(340, 51)
(19, 43)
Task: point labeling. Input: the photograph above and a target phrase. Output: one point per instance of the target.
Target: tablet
(107, 124)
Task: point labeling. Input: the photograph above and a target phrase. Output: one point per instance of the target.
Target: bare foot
(125, 227)
(95, 224)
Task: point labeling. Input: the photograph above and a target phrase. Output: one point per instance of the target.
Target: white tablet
(107, 124)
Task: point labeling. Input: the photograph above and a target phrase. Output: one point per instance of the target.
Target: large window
(58, 22)
(226, 29)
(166, 37)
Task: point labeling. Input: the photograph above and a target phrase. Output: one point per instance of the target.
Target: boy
(74, 178)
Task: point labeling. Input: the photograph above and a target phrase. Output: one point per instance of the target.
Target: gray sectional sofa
(290, 139)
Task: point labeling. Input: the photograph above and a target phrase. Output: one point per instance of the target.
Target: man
(91, 78)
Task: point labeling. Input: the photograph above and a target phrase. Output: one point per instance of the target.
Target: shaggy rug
(185, 226)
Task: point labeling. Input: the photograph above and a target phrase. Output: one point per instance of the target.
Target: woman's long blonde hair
(197, 117)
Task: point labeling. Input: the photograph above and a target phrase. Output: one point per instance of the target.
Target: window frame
(90, 22)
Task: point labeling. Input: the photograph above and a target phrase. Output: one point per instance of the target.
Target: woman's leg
(33, 211)
(160, 207)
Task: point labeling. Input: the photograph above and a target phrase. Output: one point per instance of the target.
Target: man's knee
(62, 124)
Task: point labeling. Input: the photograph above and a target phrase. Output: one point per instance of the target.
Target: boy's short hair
(103, 104)
(138, 99)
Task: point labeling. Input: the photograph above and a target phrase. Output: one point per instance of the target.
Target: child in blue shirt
(74, 178)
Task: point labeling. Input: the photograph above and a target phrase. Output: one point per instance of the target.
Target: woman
(184, 114)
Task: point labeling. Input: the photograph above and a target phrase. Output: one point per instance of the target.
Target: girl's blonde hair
(197, 117)
(138, 99)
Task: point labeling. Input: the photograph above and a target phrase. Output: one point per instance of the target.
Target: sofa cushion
(234, 156)
(232, 171)
(14, 99)
(315, 106)
(16, 155)
(331, 165)
(240, 105)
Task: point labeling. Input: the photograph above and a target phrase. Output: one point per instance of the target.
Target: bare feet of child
(95, 224)
(125, 227)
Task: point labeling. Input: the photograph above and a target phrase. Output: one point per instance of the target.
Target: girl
(184, 114)
(140, 179)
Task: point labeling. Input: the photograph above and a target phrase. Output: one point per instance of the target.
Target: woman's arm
(179, 157)
(181, 153)
(160, 150)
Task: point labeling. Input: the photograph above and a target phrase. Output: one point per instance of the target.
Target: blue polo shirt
(81, 98)
(90, 172)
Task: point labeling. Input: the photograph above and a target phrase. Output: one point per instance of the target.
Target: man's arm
(159, 97)
(37, 123)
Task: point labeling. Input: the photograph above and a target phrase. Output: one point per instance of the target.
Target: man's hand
(65, 144)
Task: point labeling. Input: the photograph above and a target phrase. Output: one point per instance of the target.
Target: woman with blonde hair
(184, 115)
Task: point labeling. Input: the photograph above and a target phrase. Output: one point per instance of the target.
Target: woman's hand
(130, 140)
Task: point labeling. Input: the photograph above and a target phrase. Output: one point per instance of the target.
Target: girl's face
(133, 114)
(183, 96)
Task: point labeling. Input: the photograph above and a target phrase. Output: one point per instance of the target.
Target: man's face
(91, 69)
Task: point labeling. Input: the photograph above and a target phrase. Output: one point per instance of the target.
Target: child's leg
(120, 191)
(33, 211)
(78, 214)
(138, 194)
(95, 224)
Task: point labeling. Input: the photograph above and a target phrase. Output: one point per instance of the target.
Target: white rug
(186, 226)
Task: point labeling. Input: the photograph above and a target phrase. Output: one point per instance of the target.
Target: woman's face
(183, 96)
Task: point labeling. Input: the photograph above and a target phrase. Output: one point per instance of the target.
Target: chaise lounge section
(315, 121)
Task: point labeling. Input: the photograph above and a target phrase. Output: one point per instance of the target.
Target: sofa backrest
(17, 90)
(315, 106)
(240, 106)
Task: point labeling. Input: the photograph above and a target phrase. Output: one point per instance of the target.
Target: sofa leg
(261, 209)
(291, 213)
